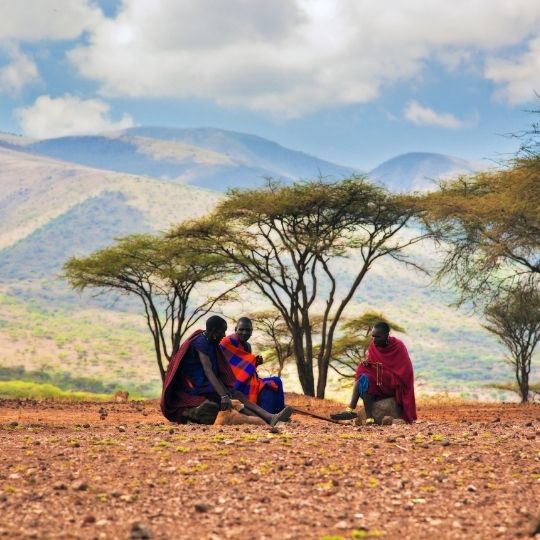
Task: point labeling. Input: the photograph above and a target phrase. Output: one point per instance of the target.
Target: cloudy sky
(353, 81)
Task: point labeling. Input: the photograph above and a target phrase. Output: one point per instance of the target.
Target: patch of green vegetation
(25, 389)
(66, 382)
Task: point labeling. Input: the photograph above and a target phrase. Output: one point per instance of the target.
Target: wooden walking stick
(314, 415)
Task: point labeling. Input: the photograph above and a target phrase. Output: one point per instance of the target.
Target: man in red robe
(199, 381)
(386, 372)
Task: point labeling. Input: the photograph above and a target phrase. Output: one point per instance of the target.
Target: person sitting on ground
(199, 381)
(386, 372)
(266, 392)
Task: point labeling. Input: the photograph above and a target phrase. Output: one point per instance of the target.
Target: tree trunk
(303, 366)
(523, 382)
(323, 374)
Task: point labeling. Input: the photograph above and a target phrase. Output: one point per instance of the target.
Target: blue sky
(352, 81)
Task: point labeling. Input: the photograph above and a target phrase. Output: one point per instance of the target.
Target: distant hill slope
(418, 171)
(36, 190)
(210, 158)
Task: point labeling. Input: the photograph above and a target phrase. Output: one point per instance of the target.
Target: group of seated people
(210, 369)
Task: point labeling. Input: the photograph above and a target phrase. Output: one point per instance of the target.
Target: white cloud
(519, 77)
(32, 20)
(19, 72)
(290, 57)
(424, 116)
(68, 115)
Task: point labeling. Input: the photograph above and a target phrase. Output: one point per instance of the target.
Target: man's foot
(344, 415)
(370, 421)
(205, 413)
(281, 416)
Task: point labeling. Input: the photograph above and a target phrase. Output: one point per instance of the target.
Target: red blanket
(244, 367)
(391, 374)
(173, 399)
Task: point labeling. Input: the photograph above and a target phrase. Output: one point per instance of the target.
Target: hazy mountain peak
(419, 171)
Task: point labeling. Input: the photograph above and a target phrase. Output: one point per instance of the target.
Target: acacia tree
(351, 347)
(489, 228)
(288, 242)
(164, 275)
(515, 319)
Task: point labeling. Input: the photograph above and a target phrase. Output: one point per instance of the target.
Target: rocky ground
(91, 470)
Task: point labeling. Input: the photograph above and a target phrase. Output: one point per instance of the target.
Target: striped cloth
(244, 367)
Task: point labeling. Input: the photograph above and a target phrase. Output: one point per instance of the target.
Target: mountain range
(218, 159)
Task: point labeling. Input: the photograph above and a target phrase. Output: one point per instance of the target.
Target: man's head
(380, 333)
(244, 329)
(216, 328)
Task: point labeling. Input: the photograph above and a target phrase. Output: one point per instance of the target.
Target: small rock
(408, 506)
(102, 522)
(59, 486)
(13, 424)
(79, 485)
(87, 520)
(86, 425)
(121, 429)
(274, 429)
(341, 524)
(202, 508)
(456, 524)
(139, 532)
(445, 442)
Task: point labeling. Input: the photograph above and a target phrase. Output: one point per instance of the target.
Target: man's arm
(219, 387)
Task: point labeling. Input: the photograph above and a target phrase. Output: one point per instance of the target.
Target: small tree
(351, 348)
(164, 274)
(515, 319)
(287, 242)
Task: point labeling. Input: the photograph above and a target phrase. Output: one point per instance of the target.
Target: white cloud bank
(519, 77)
(424, 116)
(68, 115)
(290, 57)
(32, 20)
(19, 72)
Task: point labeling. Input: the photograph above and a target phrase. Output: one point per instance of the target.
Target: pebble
(121, 429)
(471, 488)
(59, 486)
(139, 532)
(89, 519)
(202, 507)
(79, 485)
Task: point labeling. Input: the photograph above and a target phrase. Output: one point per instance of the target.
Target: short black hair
(214, 323)
(243, 320)
(381, 325)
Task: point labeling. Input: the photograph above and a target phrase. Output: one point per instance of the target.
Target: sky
(352, 81)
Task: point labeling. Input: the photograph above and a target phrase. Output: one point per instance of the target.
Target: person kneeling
(199, 381)
(386, 372)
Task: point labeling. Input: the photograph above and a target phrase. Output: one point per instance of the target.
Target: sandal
(344, 415)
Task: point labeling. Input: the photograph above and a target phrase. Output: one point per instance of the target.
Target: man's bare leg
(254, 408)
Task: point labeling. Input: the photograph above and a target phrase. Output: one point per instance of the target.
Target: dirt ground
(121, 471)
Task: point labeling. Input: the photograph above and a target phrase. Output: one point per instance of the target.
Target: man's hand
(226, 403)
(259, 360)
